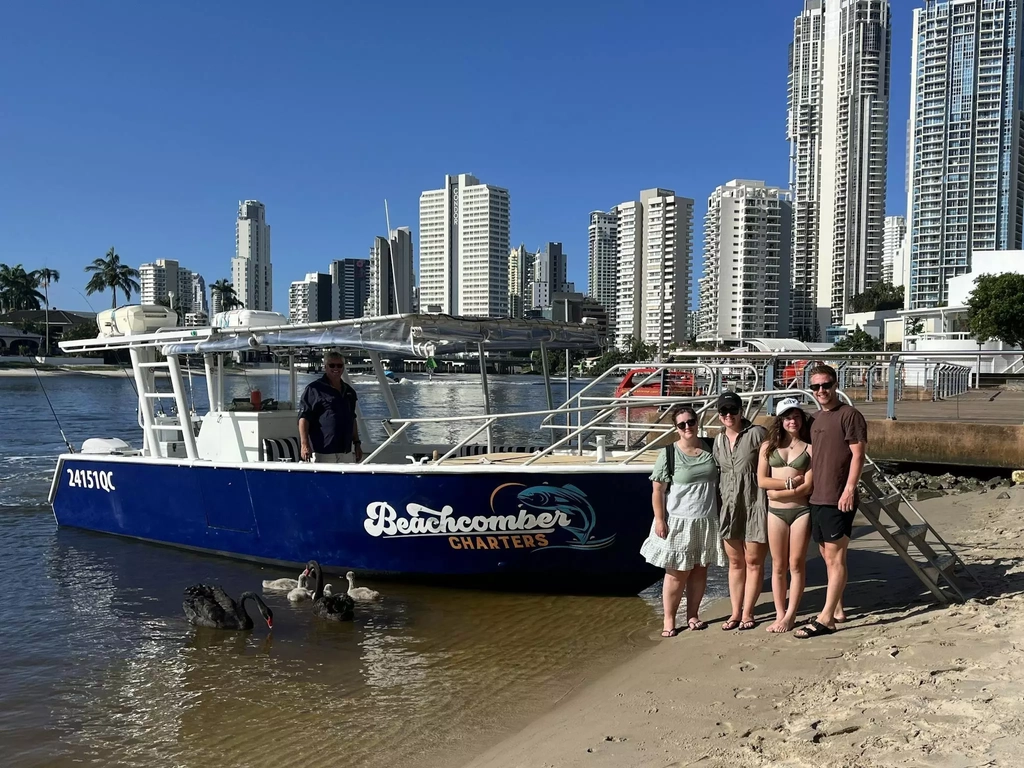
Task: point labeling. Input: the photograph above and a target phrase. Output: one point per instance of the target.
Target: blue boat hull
(510, 529)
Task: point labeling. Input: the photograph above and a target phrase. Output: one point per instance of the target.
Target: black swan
(332, 607)
(212, 607)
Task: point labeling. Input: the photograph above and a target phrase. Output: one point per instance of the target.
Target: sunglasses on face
(728, 411)
(686, 424)
(339, 366)
(826, 387)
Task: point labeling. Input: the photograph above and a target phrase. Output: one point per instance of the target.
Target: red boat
(663, 383)
(793, 374)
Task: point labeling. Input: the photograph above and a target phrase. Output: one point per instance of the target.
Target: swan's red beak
(270, 623)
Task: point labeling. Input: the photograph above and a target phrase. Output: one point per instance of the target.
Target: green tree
(18, 289)
(46, 277)
(879, 297)
(228, 298)
(110, 273)
(858, 341)
(996, 308)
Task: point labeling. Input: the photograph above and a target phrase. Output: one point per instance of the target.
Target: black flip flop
(671, 632)
(814, 629)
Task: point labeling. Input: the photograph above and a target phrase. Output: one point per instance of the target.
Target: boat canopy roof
(420, 335)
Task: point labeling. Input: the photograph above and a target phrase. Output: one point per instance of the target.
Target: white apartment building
(199, 303)
(744, 293)
(310, 300)
(251, 271)
(166, 281)
(602, 261)
(667, 255)
(464, 247)
(550, 276)
(838, 120)
(893, 243)
(965, 180)
(520, 280)
(391, 274)
(629, 280)
(803, 131)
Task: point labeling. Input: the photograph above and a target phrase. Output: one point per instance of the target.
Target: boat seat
(479, 450)
(280, 449)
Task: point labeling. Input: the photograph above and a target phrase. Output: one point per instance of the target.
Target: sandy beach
(905, 683)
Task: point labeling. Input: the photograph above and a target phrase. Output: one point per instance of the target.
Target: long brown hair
(776, 433)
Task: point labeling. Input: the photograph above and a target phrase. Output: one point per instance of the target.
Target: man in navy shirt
(327, 417)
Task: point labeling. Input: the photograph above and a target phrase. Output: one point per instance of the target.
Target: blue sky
(141, 125)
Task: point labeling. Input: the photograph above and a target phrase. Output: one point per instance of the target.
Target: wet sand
(905, 683)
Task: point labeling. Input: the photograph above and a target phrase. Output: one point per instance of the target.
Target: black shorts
(830, 523)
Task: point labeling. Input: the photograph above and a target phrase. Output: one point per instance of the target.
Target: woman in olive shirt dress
(743, 517)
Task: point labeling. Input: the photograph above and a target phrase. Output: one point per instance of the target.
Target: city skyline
(553, 180)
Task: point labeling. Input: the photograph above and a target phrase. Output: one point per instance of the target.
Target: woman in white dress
(684, 538)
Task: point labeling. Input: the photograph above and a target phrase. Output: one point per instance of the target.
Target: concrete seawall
(937, 442)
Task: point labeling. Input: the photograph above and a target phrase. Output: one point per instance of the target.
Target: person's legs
(326, 458)
(696, 583)
(835, 562)
(737, 578)
(799, 533)
(754, 554)
(778, 543)
(671, 594)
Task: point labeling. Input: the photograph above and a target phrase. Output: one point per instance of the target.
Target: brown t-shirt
(831, 435)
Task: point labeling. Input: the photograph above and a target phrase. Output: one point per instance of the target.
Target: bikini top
(803, 461)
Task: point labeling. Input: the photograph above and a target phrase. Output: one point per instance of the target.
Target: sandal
(748, 624)
(730, 625)
(814, 629)
(670, 632)
(697, 624)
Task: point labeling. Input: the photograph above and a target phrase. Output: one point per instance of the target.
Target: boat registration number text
(91, 478)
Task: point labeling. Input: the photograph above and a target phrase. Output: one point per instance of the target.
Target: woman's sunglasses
(686, 424)
(826, 387)
(728, 411)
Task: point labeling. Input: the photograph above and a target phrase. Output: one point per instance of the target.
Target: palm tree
(226, 290)
(111, 273)
(45, 277)
(18, 288)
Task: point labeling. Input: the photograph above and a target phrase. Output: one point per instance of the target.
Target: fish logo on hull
(572, 503)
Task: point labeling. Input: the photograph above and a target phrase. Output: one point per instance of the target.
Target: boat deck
(644, 461)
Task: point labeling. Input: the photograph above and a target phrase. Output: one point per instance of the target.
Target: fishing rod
(56, 420)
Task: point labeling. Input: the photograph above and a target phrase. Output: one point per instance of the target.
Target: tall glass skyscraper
(966, 182)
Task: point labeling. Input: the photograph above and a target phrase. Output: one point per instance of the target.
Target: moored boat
(562, 516)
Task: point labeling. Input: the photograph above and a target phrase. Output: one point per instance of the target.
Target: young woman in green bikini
(784, 471)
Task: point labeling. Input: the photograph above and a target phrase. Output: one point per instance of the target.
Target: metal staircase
(154, 442)
(942, 572)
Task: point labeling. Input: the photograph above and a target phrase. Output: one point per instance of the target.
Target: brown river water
(101, 668)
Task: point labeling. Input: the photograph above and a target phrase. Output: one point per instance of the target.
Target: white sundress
(691, 507)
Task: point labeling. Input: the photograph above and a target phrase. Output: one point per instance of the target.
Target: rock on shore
(918, 486)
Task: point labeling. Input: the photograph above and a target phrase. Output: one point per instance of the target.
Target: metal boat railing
(603, 420)
(714, 373)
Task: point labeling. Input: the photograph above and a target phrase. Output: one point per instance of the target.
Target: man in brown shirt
(839, 437)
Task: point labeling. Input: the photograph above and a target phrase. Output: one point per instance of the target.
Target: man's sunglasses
(686, 424)
(826, 387)
(732, 411)
(336, 365)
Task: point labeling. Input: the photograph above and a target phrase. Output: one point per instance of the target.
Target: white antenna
(391, 252)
